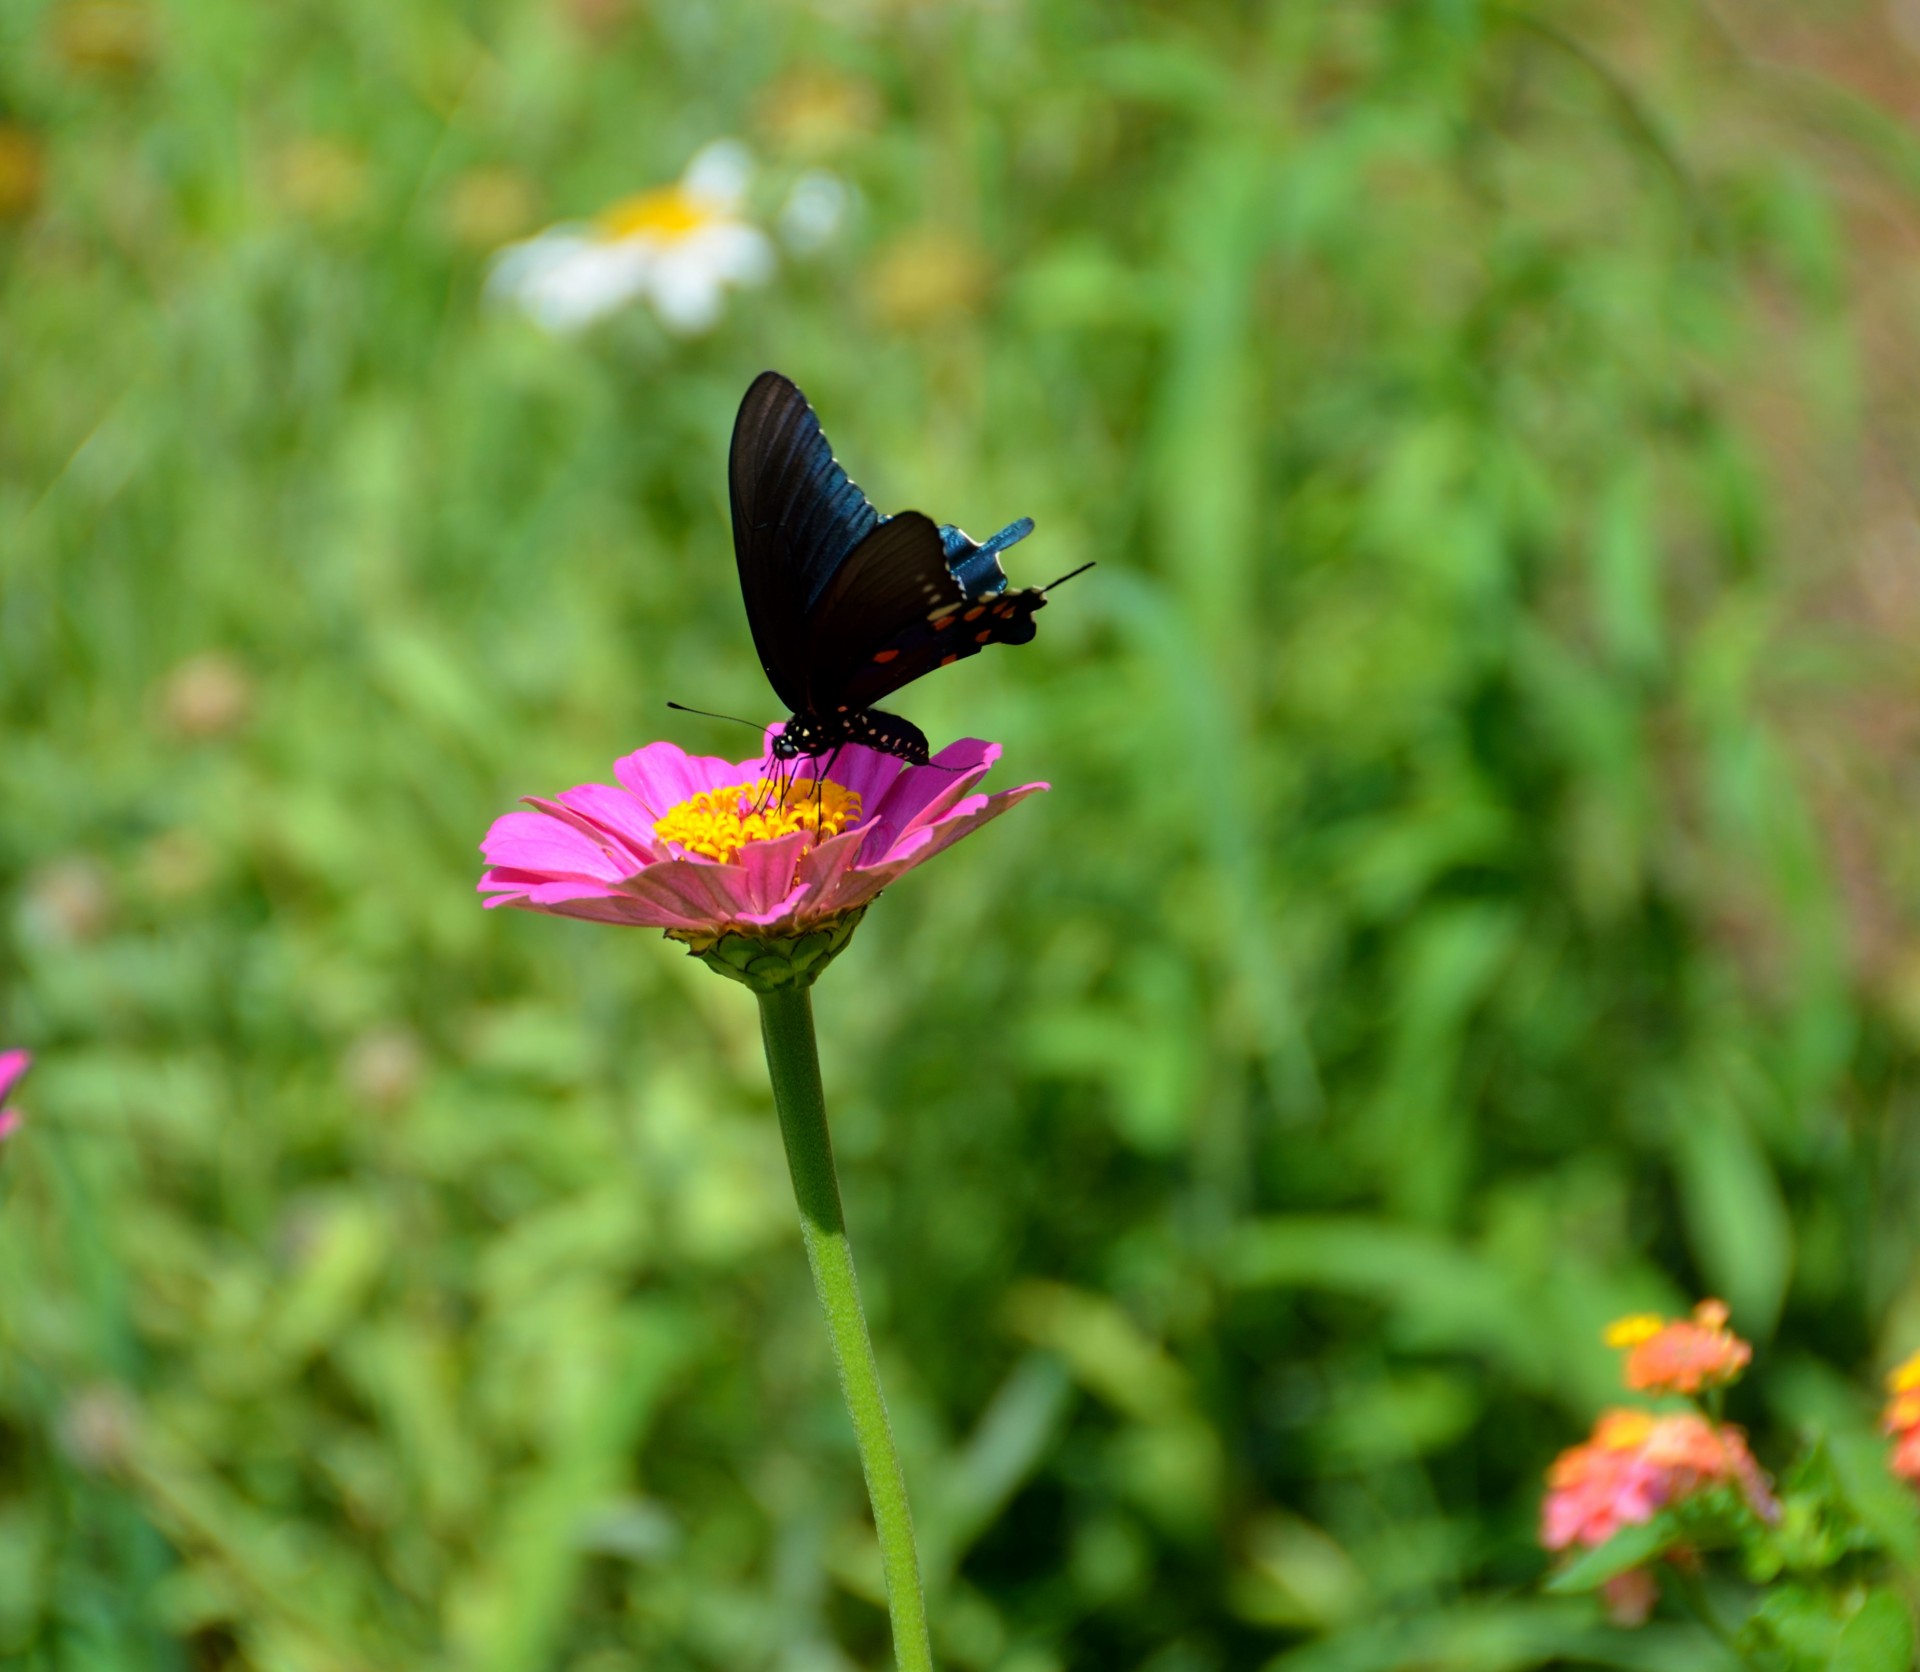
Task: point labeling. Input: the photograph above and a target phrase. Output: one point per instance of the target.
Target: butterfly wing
(976, 564)
(796, 518)
(896, 610)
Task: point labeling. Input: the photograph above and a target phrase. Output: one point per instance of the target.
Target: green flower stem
(1692, 1592)
(786, 1026)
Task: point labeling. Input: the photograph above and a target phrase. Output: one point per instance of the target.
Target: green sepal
(767, 963)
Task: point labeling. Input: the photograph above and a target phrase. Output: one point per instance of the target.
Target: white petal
(564, 280)
(685, 294)
(719, 174)
(514, 261)
(730, 250)
(815, 211)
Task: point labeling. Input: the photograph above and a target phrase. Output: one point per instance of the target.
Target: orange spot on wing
(951, 656)
(975, 613)
(885, 655)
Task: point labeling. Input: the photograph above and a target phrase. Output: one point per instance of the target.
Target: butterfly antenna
(708, 714)
(1062, 581)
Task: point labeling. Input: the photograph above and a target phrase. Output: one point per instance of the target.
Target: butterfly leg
(820, 787)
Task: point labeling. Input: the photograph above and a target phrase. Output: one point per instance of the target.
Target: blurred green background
(1477, 895)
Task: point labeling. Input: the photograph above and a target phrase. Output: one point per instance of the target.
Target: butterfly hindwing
(898, 609)
(796, 518)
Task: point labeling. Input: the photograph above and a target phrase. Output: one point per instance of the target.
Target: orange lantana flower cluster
(1902, 1419)
(1637, 1463)
(1680, 1355)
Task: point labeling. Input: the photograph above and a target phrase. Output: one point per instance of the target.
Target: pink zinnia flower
(1680, 1355)
(13, 1064)
(704, 847)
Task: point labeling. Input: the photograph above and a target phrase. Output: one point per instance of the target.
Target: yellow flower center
(1630, 1332)
(717, 824)
(666, 213)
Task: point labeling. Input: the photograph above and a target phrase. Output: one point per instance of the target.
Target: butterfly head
(798, 740)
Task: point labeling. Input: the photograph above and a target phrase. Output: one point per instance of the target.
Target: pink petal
(13, 1064)
(700, 891)
(822, 867)
(788, 916)
(663, 775)
(541, 842)
(614, 909)
(618, 854)
(926, 793)
(617, 813)
(770, 869)
(869, 773)
(856, 886)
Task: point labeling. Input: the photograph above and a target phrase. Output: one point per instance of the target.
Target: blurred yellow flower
(22, 172)
(485, 207)
(815, 112)
(677, 247)
(102, 38)
(176, 865)
(1905, 1376)
(598, 20)
(206, 696)
(384, 1067)
(1630, 1332)
(67, 901)
(321, 180)
(927, 278)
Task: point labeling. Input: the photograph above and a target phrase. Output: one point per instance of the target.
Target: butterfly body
(847, 606)
(806, 736)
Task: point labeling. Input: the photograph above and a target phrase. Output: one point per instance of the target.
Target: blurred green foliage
(1445, 930)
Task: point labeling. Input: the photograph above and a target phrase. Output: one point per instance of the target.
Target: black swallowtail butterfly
(846, 605)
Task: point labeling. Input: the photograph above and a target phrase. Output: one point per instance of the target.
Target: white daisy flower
(816, 210)
(679, 247)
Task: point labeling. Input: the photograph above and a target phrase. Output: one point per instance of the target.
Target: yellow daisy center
(666, 213)
(717, 824)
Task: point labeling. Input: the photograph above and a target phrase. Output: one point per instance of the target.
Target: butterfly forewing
(796, 517)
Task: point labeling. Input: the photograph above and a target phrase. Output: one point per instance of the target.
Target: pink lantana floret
(13, 1064)
(1637, 1463)
(597, 851)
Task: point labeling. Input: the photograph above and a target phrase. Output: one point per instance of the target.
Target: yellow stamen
(1630, 1332)
(1905, 1378)
(666, 213)
(717, 824)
